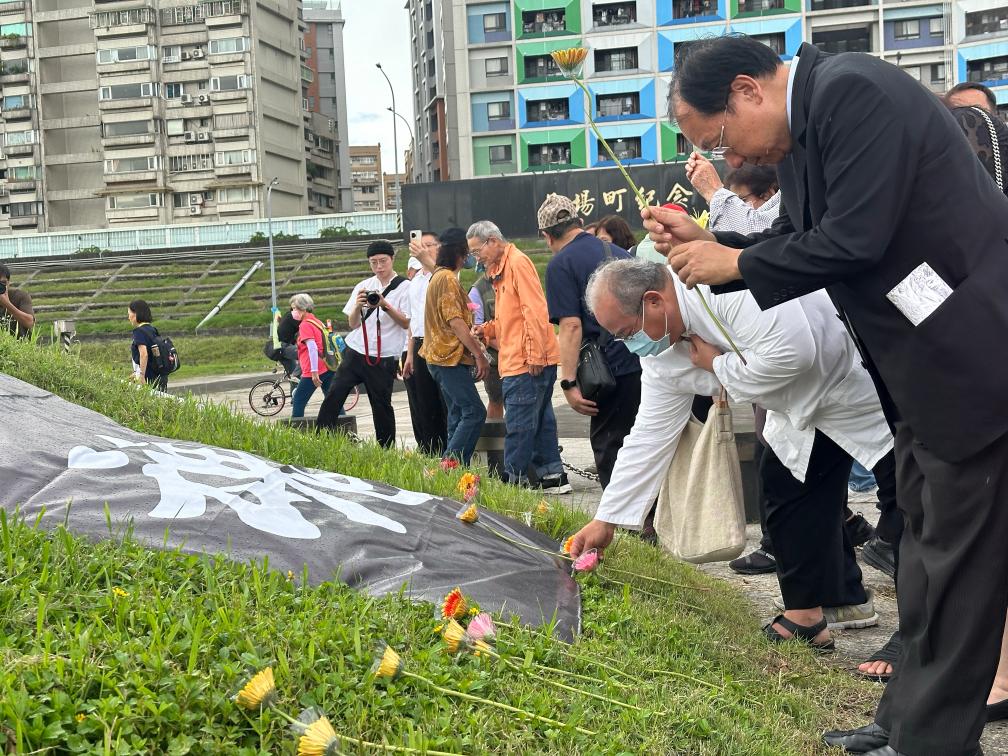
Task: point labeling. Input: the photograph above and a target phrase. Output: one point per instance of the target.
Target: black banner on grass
(68, 462)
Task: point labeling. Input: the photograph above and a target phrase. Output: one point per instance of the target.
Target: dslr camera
(372, 298)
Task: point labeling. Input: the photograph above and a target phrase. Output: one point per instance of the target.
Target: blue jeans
(860, 478)
(531, 425)
(466, 412)
(304, 391)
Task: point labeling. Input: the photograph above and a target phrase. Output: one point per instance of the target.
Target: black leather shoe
(859, 530)
(861, 740)
(890, 751)
(879, 554)
(998, 711)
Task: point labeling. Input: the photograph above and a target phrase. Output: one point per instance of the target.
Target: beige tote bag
(701, 514)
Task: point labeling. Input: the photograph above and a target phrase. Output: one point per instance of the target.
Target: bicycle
(269, 396)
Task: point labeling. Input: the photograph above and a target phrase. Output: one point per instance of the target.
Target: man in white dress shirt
(822, 411)
(378, 313)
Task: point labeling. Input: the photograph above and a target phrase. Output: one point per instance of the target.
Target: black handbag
(594, 378)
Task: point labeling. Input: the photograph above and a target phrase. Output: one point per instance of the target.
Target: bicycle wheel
(267, 397)
(351, 400)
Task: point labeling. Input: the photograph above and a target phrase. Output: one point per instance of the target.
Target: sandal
(804, 633)
(889, 653)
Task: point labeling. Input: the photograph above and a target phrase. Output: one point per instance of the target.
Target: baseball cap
(555, 209)
(380, 247)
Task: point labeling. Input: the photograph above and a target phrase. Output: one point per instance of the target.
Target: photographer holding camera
(16, 313)
(376, 311)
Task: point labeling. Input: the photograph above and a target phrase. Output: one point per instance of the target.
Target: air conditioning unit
(186, 56)
(203, 99)
(195, 199)
(203, 136)
(198, 53)
(186, 99)
(195, 210)
(189, 136)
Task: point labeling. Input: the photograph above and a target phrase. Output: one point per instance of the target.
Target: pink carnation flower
(587, 561)
(482, 627)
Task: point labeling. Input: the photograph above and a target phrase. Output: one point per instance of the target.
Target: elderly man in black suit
(887, 208)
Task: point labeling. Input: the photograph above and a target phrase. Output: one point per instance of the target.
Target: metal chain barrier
(578, 471)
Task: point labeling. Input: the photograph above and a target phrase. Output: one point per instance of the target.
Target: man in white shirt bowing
(822, 411)
(378, 312)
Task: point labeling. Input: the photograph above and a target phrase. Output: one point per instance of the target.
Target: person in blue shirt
(576, 255)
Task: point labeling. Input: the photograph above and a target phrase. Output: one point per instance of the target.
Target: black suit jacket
(879, 180)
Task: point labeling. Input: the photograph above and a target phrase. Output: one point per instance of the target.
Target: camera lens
(372, 298)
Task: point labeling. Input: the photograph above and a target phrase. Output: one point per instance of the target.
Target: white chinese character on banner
(262, 495)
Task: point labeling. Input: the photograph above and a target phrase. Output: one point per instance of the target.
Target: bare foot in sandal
(805, 620)
(879, 666)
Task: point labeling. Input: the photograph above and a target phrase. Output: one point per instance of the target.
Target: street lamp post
(269, 229)
(409, 128)
(395, 140)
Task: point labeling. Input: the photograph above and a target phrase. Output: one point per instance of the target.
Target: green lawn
(111, 648)
(201, 355)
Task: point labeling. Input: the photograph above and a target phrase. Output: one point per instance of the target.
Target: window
(855, 39)
(615, 14)
(557, 153)
(496, 66)
(430, 40)
(173, 91)
(369, 189)
(22, 173)
(914, 71)
(189, 163)
(132, 164)
(126, 128)
(171, 53)
(229, 83)
(774, 41)
(131, 17)
(625, 148)
(17, 138)
(431, 68)
(231, 121)
(499, 111)
(622, 59)
(936, 26)
(682, 145)
(182, 14)
(234, 157)
(235, 194)
(695, 8)
(909, 29)
(25, 209)
(180, 200)
(990, 69)
(133, 201)
(618, 104)
(540, 67)
(759, 6)
(229, 45)
(987, 22)
(11, 102)
(548, 110)
(494, 22)
(129, 91)
(938, 73)
(500, 153)
(544, 21)
(124, 54)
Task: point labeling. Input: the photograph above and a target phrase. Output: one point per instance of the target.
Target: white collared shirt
(418, 301)
(801, 367)
(393, 336)
(728, 212)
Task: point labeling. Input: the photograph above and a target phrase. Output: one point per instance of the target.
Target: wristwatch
(568, 385)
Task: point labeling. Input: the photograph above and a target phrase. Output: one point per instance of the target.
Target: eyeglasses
(633, 330)
(721, 149)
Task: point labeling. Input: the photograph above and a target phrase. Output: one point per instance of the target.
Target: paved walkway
(852, 646)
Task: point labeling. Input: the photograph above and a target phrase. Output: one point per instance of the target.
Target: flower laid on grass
(467, 481)
(586, 562)
(388, 664)
(80, 717)
(481, 627)
(542, 508)
(449, 463)
(468, 514)
(455, 636)
(259, 692)
(454, 605)
(380, 670)
(319, 739)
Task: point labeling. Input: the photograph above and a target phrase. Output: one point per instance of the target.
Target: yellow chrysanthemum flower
(571, 60)
(567, 545)
(455, 636)
(468, 514)
(467, 481)
(258, 692)
(454, 604)
(543, 507)
(389, 664)
(320, 739)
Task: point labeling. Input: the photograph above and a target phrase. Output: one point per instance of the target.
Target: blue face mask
(470, 261)
(643, 345)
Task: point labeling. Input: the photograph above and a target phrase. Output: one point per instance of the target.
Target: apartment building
(489, 99)
(366, 178)
(154, 112)
(324, 105)
(393, 189)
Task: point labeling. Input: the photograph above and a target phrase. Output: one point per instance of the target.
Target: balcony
(614, 14)
(228, 95)
(24, 185)
(618, 106)
(682, 9)
(550, 157)
(19, 150)
(9, 8)
(24, 221)
(990, 71)
(747, 8)
(620, 60)
(128, 140)
(987, 22)
(12, 75)
(132, 177)
(547, 111)
(234, 170)
(13, 42)
(818, 5)
(544, 23)
(843, 40)
(541, 68)
(17, 114)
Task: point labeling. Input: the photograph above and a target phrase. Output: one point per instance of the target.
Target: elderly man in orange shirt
(528, 354)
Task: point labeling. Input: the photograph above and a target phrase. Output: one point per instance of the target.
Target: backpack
(330, 342)
(163, 352)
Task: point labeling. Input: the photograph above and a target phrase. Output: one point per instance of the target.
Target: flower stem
(488, 702)
(571, 688)
(516, 542)
(720, 325)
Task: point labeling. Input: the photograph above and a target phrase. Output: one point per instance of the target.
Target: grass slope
(113, 648)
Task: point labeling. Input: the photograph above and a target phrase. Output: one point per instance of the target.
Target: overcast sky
(377, 31)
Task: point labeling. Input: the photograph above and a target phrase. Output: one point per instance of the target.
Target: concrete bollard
(490, 447)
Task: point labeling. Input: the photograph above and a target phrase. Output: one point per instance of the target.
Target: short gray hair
(303, 302)
(627, 281)
(484, 230)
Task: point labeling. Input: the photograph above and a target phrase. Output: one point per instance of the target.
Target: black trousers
(377, 379)
(952, 596)
(427, 407)
(616, 415)
(816, 565)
